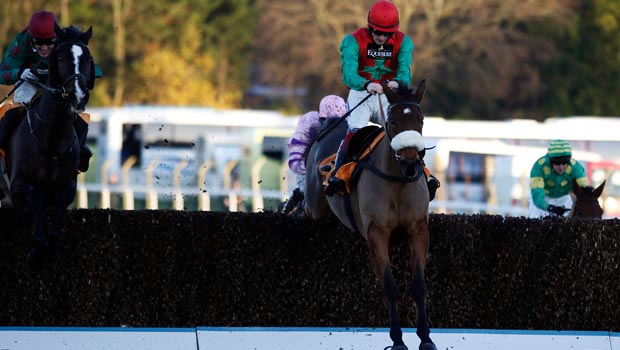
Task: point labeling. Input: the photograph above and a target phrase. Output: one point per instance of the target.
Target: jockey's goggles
(560, 160)
(40, 42)
(380, 33)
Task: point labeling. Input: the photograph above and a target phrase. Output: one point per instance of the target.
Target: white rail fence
(201, 199)
(176, 196)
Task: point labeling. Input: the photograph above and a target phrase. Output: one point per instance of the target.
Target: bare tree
(120, 11)
(65, 18)
(297, 43)
(476, 48)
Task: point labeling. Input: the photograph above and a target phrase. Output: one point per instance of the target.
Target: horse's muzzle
(411, 168)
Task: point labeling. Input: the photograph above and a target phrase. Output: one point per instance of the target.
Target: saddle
(363, 141)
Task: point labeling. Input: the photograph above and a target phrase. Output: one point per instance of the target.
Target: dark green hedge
(186, 269)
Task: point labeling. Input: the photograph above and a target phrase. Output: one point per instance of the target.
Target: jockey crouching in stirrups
(306, 132)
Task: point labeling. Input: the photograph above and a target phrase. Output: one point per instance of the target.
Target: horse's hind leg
(378, 243)
(418, 250)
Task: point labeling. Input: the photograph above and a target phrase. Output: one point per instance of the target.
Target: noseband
(387, 131)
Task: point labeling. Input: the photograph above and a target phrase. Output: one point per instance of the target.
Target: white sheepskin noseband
(409, 138)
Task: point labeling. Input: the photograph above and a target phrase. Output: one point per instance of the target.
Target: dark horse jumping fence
(42, 162)
(388, 202)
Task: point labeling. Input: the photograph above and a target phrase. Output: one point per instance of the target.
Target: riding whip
(12, 90)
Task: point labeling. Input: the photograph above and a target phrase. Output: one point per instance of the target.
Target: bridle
(77, 76)
(62, 92)
(386, 125)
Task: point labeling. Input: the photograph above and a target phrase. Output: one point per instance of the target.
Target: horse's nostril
(409, 168)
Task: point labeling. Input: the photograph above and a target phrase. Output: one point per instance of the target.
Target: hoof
(427, 346)
(396, 347)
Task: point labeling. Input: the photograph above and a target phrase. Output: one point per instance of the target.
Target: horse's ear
(419, 91)
(391, 95)
(59, 32)
(577, 190)
(599, 189)
(91, 79)
(87, 35)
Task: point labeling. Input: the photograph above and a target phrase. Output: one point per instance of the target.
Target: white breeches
(564, 201)
(367, 111)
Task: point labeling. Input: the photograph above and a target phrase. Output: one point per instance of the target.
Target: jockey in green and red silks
(376, 63)
(369, 56)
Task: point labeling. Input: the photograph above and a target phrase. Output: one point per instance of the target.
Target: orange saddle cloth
(346, 170)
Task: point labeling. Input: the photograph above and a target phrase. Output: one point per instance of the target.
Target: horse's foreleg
(418, 250)
(36, 202)
(378, 242)
(36, 255)
(63, 199)
(53, 239)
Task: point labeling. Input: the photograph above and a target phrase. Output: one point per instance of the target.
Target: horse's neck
(52, 109)
(51, 120)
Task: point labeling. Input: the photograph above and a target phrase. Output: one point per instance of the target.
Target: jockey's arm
(349, 58)
(403, 71)
(11, 65)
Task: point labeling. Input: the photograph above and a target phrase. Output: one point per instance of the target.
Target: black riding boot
(335, 184)
(7, 125)
(293, 202)
(81, 129)
(433, 184)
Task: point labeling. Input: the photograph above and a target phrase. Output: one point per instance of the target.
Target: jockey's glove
(557, 210)
(374, 88)
(28, 74)
(392, 85)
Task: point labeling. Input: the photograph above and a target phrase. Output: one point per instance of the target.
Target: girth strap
(391, 178)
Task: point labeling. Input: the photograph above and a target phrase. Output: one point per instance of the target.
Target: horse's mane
(72, 33)
(326, 123)
(404, 90)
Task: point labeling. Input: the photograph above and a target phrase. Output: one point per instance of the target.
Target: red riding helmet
(383, 16)
(42, 25)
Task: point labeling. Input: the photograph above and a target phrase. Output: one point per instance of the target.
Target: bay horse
(44, 149)
(388, 202)
(586, 203)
